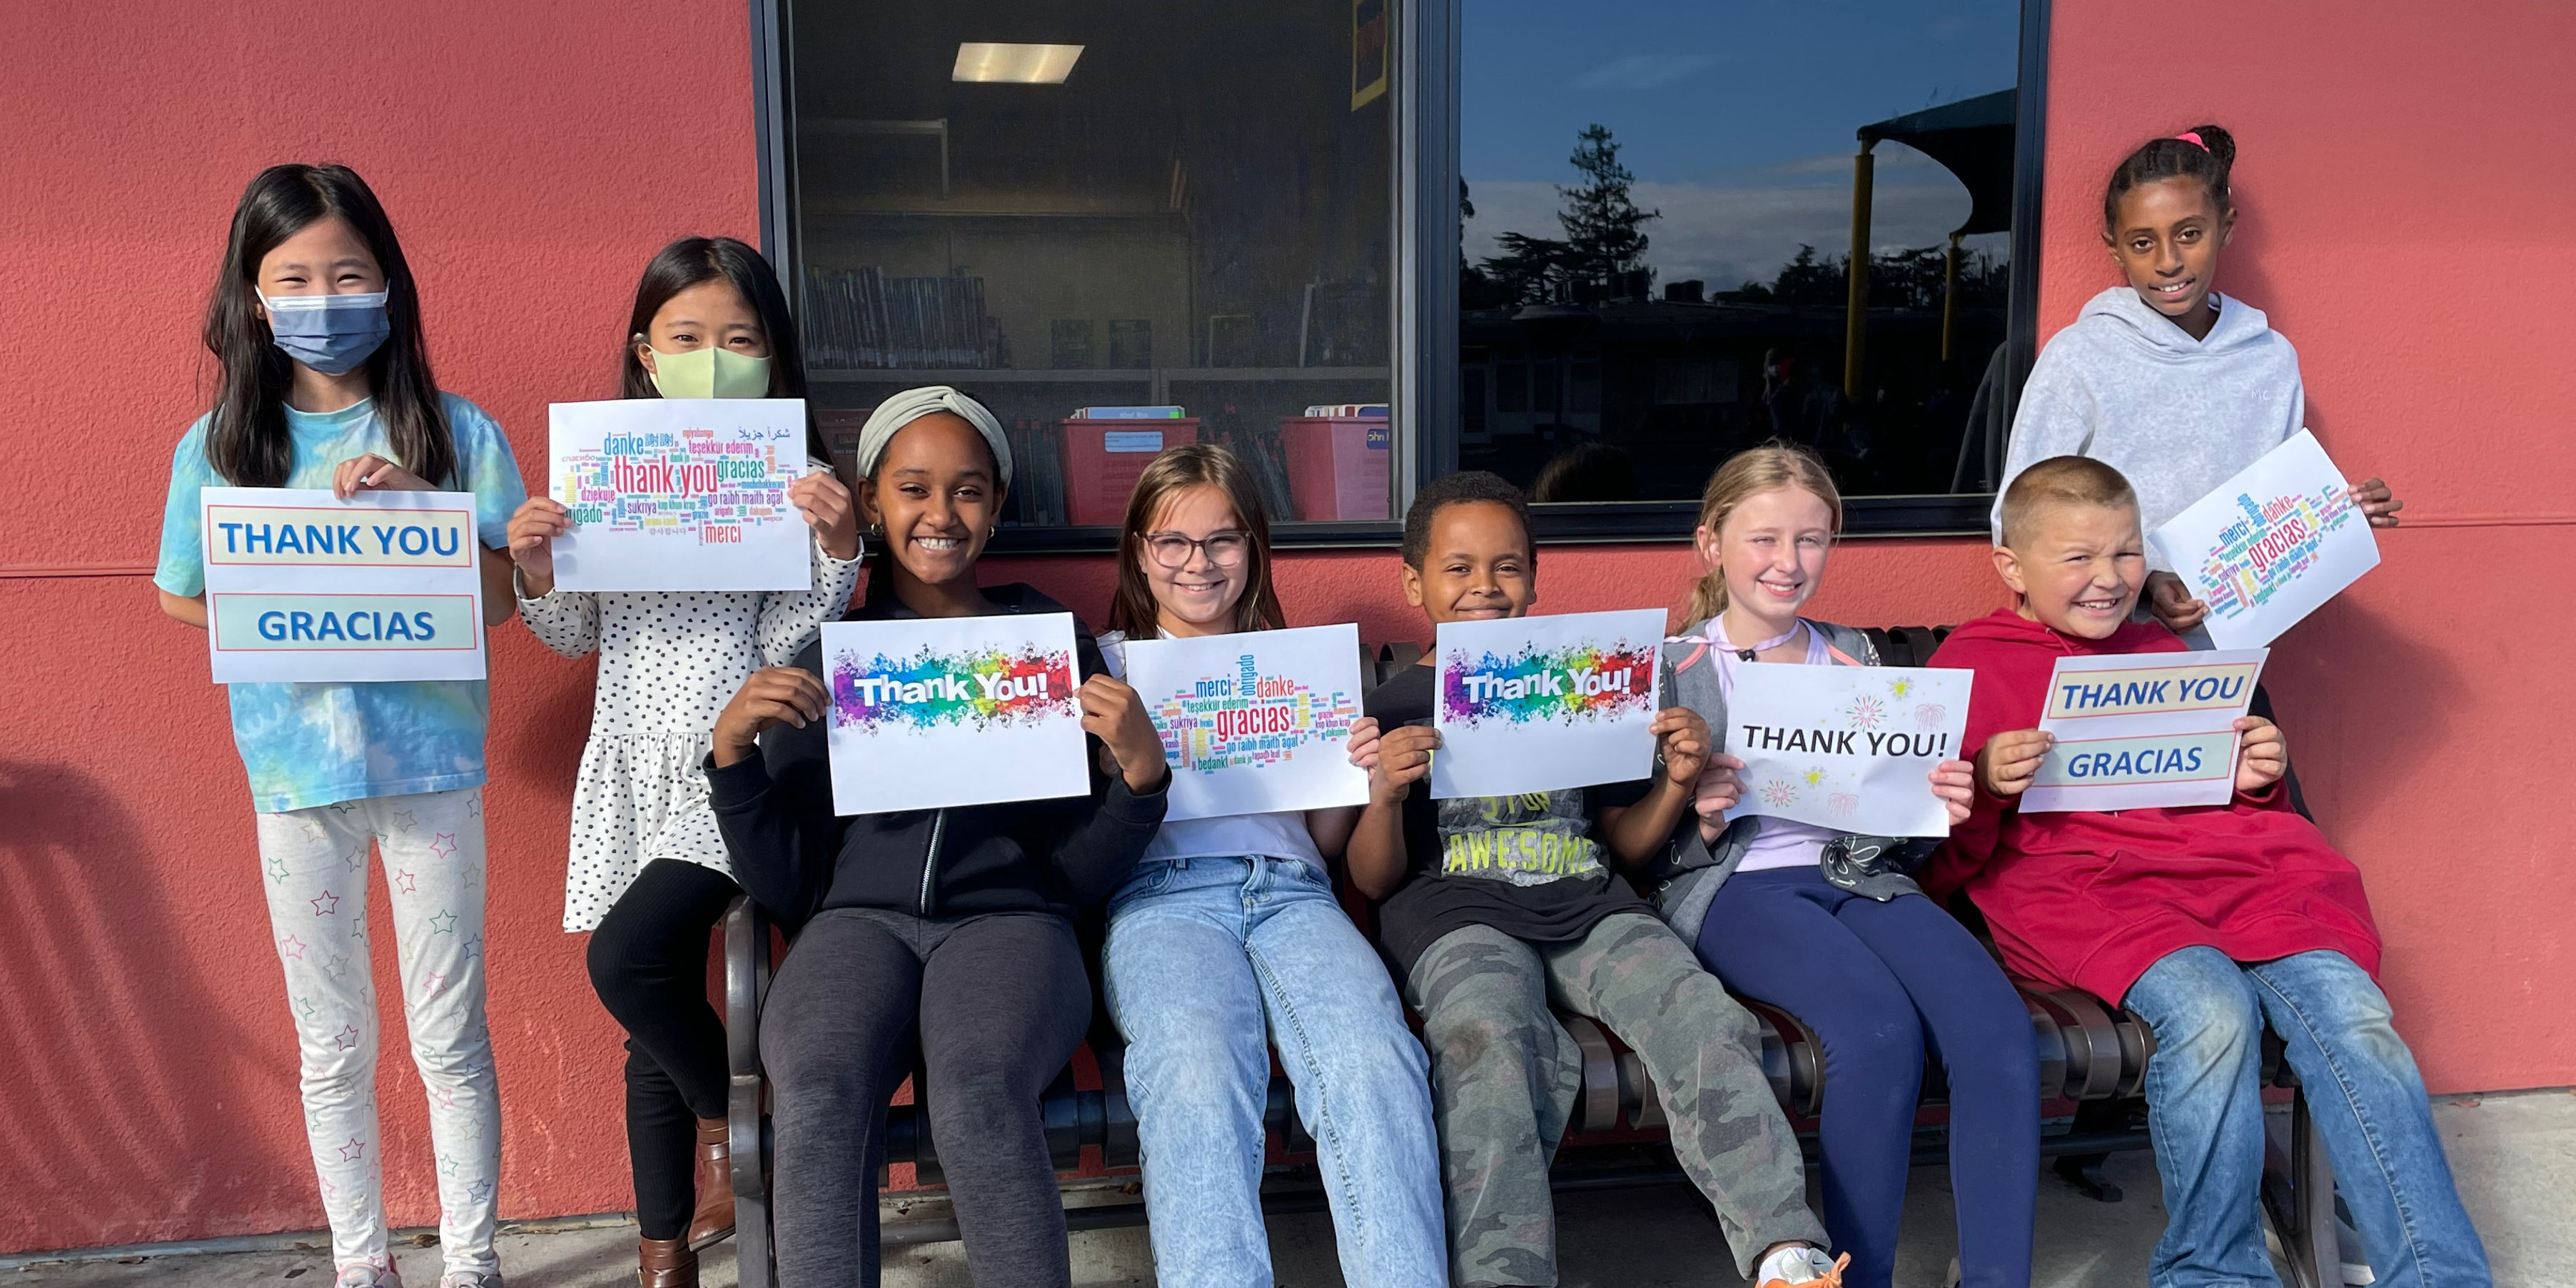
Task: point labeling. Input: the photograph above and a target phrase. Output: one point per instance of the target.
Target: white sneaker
(367, 1276)
(1801, 1265)
(471, 1279)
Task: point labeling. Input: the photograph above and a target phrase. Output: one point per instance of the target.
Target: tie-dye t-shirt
(1530, 866)
(313, 744)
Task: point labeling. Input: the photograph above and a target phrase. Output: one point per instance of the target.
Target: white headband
(913, 404)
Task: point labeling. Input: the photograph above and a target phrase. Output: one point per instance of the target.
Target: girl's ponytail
(2203, 152)
(1752, 472)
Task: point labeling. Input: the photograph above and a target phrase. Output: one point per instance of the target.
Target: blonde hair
(1132, 608)
(2063, 480)
(1769, 468)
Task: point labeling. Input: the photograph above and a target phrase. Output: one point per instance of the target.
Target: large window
(1660, 213)
(1596, 247)
(1123, 225)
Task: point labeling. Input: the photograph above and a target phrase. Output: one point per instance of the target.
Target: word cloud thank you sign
(1254, 722)
(1534, 704)
(2143, 729)
(1846, 747)
(680, 494)
(930, 713)
(305, 588)
(2271, 545)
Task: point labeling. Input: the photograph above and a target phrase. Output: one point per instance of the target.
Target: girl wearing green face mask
(649, 874)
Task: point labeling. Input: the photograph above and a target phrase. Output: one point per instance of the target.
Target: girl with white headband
(950, 928)
(649, 875)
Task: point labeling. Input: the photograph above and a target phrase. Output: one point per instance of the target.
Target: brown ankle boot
(714, 1217)
(665, 1263)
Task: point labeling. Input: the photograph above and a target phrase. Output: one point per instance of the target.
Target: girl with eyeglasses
(1227, 940)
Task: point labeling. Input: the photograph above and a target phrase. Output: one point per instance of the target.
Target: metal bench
(2092, 1064)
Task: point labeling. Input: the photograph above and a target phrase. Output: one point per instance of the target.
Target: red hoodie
(2092, 899)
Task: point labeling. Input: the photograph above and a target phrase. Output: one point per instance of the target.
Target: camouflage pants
(1505, 1074)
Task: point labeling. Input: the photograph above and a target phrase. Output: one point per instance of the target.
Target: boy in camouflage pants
(1493, 907)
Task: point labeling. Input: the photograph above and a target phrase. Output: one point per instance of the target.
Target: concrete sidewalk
(2515, 1156)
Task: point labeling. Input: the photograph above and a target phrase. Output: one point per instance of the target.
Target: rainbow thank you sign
(2143, 729)
(1533, 704)
(305, 588)
(1254, 722)
(680, 494)
(2271, 544)
(1846, 747)
(931, 713)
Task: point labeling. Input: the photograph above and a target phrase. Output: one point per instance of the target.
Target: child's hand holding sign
(1112, 713)
(2263, 755)
(1403, 759)
(2009, 761)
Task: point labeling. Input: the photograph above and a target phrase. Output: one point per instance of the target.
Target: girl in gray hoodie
(2164, 379)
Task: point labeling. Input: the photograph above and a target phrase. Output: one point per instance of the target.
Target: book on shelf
(862, 318)
(1348, 410)
(1127, 413)
(1131, 342)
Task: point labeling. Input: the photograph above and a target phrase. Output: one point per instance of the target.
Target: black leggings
(999, 1002)
(648, 962)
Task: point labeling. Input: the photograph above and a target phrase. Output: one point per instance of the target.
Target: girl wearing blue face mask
(326, 383)
(649, 874)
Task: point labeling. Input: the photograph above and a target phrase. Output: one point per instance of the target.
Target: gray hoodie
(2178, 416)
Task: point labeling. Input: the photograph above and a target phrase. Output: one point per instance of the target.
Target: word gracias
(1279, 715)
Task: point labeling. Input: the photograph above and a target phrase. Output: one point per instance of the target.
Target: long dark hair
(1132, 608)
(246, 441)
(2203, 152)
(695, 261)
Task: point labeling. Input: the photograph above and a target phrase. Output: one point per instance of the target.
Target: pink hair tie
(2192, 137)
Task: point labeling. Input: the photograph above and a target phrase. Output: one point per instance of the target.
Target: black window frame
(1425, 393)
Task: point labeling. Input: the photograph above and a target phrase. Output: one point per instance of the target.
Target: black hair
(2210, 161)
(695, 261)
(246, 438)
(1461, 488)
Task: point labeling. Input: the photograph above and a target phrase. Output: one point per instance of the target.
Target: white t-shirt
(1777, 842)
(1280, 835)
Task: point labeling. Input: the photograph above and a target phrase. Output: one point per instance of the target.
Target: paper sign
(680, 494)
(2271, 544)
(1533, 704)
(305, 588)
(2143, 729)
(1255, 721)
(930, 713)
(1846, 747)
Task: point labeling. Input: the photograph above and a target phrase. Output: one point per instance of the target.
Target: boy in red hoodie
(2204, 921)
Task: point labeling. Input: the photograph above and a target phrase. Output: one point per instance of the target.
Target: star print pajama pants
(314, 867)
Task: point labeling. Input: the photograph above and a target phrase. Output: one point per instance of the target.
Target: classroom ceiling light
(979, 60)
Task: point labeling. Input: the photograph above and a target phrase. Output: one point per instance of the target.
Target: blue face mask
(330, 333)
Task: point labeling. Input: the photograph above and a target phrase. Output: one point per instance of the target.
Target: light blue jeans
(1208, 957)
(2206, 1117)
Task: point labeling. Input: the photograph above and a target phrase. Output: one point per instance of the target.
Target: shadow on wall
(127, 1077)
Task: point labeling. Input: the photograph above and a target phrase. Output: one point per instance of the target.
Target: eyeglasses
(1172, 550)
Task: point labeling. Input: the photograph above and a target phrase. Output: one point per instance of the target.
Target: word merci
(273, 536)
(995, 686)
(1842, 742)
(1484, 686)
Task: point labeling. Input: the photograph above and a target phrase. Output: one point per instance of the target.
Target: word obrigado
(1249, 719)
(688, 484)
(1577, 683)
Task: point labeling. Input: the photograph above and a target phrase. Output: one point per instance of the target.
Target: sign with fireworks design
(2270, 545)
(1846, 747)
(1534, 704)
(1254, 722)
(933, 712)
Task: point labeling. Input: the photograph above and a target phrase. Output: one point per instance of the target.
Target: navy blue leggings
(1874, 980)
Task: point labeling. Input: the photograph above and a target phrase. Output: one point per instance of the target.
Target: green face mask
(710, 373)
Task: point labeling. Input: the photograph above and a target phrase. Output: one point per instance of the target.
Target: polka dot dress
(668, 663)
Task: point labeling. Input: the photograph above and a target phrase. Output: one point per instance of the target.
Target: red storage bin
(1339, 467)
(1102, 459)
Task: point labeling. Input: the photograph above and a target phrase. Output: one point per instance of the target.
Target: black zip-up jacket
(797, 858)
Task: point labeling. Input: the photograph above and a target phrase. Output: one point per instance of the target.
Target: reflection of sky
(1737, 116)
